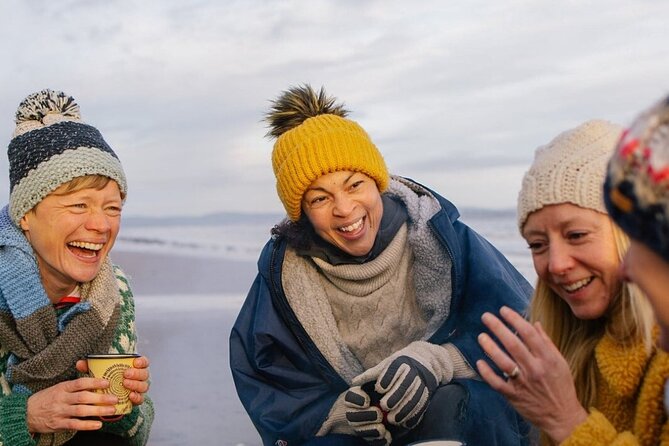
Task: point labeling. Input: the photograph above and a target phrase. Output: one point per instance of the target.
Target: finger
(136, 386)
(77, 424)
(136, 374)
(372, 433)
(396, 382)
(86, 383)
(141, 363)
(527, 332)
(90, 410)
(512, 343)
(88, 398)
(410, 413)
(548, 342)
(492, 378)
(356, 398)
(402, 393)
(82, 366)
(364, 416)
(136, 398)
(495, 353)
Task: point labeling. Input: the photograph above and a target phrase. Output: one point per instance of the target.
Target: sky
(455, 94)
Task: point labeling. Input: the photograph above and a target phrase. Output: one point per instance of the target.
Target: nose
(98, 221)
(343, 205)
(560, 260)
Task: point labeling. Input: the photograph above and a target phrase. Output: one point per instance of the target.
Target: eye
(78, 206)
(317, 200)
(537, 247)
(576, 235)
(113, 211)
(357, 184)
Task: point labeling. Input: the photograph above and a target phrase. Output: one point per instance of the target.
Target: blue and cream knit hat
(50, 147)
(636, 191)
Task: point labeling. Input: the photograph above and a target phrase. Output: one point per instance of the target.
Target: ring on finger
(514, 373)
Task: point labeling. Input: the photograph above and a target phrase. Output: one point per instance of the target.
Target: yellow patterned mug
(111, 368)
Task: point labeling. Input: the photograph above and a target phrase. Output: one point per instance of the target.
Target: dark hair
(299, 234)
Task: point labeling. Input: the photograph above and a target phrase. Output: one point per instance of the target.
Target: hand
(541, 388)
(365, 419)
(64, 405)
(136, 378)
(408, 379)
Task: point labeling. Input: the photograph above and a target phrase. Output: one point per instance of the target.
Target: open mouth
(578, 285)
(352, 227)
(85, 249)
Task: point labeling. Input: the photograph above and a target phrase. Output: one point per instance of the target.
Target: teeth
(86, 245)
(352, 227)
(576, 285)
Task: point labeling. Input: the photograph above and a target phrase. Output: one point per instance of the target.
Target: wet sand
(185, 332)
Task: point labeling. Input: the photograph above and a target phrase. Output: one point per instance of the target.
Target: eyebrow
(348, 178)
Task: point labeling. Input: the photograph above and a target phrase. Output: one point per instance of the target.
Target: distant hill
(221, 218)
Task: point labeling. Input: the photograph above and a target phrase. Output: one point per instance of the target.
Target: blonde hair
(628, 320)
(97, 182)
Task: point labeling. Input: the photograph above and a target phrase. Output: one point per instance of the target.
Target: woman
(585, 369)
(60, 296)
(636, 194)
(371, 283)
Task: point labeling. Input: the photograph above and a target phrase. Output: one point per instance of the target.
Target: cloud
(469, 89)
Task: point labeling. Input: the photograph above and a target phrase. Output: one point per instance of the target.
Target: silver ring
(514, 373)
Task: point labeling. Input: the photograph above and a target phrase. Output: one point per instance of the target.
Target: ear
(25, 226)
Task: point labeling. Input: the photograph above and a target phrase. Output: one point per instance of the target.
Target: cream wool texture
(311, 296)
(569, 169)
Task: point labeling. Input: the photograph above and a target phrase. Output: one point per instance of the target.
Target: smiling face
(574, 253)
(345, 209)
(72, 234)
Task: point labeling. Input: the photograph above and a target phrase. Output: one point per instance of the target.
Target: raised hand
(537, 382)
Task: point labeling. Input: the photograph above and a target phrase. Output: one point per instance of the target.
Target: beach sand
(185, 310)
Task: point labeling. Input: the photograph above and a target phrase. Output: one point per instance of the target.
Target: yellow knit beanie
(320, 145)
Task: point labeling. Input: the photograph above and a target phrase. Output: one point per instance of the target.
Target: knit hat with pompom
(315, 138)
(50, 147)
(569, 169)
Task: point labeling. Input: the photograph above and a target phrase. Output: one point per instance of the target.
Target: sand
(185, 309)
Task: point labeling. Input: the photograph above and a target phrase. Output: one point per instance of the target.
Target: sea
(239, 238)
(190, 276)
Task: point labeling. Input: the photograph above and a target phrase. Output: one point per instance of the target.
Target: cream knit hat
(569, 169)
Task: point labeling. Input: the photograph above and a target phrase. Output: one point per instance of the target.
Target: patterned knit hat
(322, 141)
(50, 147)
(636, 191)
(569, 169)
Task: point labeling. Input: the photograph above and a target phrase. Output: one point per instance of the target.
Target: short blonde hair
(97, 182)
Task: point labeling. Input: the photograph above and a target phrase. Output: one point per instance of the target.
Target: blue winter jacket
(283, 380)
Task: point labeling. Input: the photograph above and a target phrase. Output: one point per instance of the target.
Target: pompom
(38, 105)
(296, 105)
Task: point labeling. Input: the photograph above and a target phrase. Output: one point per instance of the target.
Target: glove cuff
(461, 368)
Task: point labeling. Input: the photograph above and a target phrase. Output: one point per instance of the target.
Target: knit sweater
(134, 426)
(629, 408)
